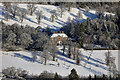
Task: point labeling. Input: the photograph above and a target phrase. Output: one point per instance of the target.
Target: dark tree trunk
(45, 61)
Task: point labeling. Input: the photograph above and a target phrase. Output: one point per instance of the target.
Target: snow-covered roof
(59, 34)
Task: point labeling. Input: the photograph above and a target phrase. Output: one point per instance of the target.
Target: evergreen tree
(48, 30)
(73, 75)
(95, 77)
(104, 77)
(90, 78)
(56, 77)
(81, 34)
(88, 29)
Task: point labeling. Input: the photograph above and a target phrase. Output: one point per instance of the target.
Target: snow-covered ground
(56, 25)
(0, 64)
(46, 20)
(96, 64)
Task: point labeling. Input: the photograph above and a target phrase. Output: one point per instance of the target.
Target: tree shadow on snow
(95, 64)
(76, 19)
(48, 10)
(89, 14)
(10, 16)
(94, 71)
(29, 59)
(31, 20)
(84, 60)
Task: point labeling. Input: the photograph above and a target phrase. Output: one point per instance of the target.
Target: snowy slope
(22, 60)
(0, 64)
(57, 24)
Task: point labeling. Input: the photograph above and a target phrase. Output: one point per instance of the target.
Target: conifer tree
(56, 77)
(73, 75)
(81, 34)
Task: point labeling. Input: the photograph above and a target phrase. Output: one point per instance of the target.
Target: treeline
(17, 37)
(98, 6)
(19, 74)
(104, 6)
(102, 31)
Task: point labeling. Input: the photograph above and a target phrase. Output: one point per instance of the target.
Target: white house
(59, 37)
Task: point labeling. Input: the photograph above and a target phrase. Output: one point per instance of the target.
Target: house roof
(58, 34)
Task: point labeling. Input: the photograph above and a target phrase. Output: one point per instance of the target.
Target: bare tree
(64, 45)
(61, 10)
(39, 16)
(87, 9)
(114, 70)
(79, 15)
(108, 60)
(7, 15)
(46, 53)
(34, 56)
(68, 5)
(69, 48)
(74, 46)
(31, 8)
(53, 49)
(14, 9)
(53, 15)
(7, 7)
(79, 56)
(22, 14)
(69, 19)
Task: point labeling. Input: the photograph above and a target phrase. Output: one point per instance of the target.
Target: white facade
(58, 34)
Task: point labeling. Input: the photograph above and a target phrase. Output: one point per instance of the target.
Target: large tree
(53, 49)
(39, 16)
(61, 10)
(22, 14)
(46, 53)
(31, 8)
(81, 34)
(26, 40)
(73, 75)
(53, 15)
(13, 9)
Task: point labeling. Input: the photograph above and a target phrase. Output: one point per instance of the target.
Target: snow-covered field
(96, 64)
(56, 25)
(0, 61)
